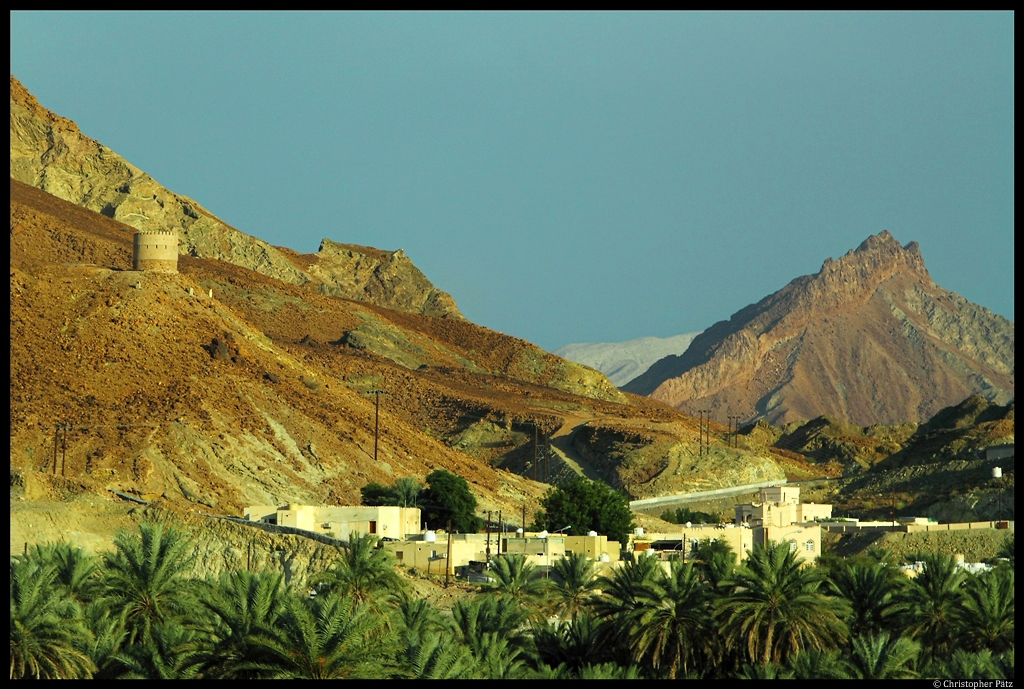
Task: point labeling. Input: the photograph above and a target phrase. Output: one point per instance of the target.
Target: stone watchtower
(155, 250)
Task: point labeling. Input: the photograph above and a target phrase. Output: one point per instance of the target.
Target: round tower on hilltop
(156, 251)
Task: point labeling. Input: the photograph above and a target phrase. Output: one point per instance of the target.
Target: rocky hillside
(621, 362)
(259, 393)
(50, 153)
(867, 339)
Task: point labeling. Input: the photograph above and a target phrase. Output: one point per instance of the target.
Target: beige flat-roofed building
(341, 521)
(804, 539)
(429, 552)
(682, 544)
(780, 506)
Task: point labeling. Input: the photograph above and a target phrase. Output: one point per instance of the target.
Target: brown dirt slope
(260, 393)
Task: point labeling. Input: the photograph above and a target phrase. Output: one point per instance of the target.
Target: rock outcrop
(50, 153)
(867, 339)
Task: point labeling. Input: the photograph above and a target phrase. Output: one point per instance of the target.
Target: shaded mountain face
(50, 153)
(867, 339)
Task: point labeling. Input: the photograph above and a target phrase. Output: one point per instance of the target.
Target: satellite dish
(688, 525)
(543, 534)
(591, 533)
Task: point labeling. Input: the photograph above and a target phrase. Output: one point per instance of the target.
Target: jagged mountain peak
(869, 338)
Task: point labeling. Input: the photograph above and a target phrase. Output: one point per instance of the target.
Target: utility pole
(487, 554)
(535, 450)
(705, 432)
(501, 531)
(448, 557)
(376, 421)
(734, 427)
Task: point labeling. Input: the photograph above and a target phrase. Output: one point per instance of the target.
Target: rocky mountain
(239, 381)
(868, 339)
(49, 152)
(621, 362)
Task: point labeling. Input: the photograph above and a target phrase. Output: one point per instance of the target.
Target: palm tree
(487, 614)
(622, 593)
(48, 635)
(571, 643)
(932, 603)
(672, 630)
(967, 665)
(145, 578)
(407, 492)
(417, 619)
(769, 671)
(778, 608)
(513, 576)
(715, 561)
(108, 635)
(242, 605)
(987, 614)
(872, 590)
(364, 573)
(76, 571)
(169, 651)
(811, 664)
(877, 656)
(573, 584)
(437, 656)
(328, 637)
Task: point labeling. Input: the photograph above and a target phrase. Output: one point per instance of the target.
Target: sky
(566, 177)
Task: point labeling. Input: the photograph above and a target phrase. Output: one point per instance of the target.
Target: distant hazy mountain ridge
(621, 362)
(868, 339)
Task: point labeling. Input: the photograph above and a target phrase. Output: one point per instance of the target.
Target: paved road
(683, 498)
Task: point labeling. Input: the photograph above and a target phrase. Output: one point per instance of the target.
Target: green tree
(49, 638)
(146, 578)
(574, 582)
(672, 629)
(877, 656)
(715, 561)
(169, 651)
(374, 495)
(437, 656)
(778, 608)
(622, 594)
(987, 615)
(872, 590)
(811, 664)
(490, 620)
(586, 506)
(932, 603)
(513, 576)
(405, 492)
(570, 643)
(243, 604)
(328, 637)
(447, 497)
(364, 573)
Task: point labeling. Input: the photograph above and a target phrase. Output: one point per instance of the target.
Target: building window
(792, 546)
(809, 546)
(398, 555)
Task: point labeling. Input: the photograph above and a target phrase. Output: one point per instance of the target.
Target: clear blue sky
(567, 177)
